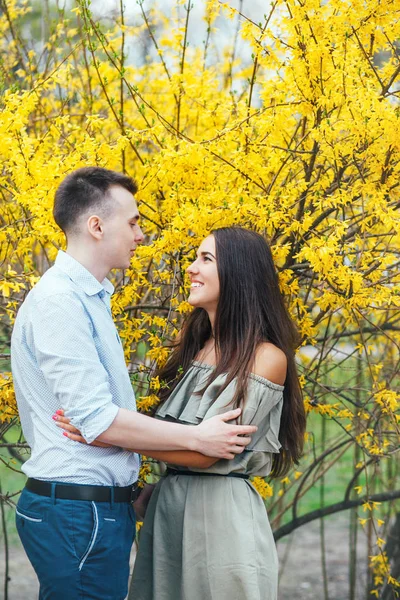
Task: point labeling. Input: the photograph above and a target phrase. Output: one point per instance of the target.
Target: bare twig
(332, 509)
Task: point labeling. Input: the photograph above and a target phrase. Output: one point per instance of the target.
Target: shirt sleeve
(68, 359)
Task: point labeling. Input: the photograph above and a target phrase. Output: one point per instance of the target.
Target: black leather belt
(205, 473)
(94, 493)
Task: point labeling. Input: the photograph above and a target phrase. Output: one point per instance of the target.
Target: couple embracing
(206, 533)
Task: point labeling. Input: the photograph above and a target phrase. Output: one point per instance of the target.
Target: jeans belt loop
(111, 498)
(53, 492)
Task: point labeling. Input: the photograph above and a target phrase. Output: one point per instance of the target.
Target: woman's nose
(192, 268)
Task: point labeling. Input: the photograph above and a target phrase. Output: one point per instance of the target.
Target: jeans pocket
(31, 507)
(85, 523)
(33, 517)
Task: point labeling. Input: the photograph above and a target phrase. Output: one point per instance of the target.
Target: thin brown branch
(13, 445)
(320, 513)
(371, 64)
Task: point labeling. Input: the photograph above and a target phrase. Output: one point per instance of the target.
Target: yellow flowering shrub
(297, 137)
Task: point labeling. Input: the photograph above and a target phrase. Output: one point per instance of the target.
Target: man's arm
(61, 337)
(186, 458)
(213, 437)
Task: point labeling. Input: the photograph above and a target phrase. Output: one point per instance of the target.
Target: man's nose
(139, 237)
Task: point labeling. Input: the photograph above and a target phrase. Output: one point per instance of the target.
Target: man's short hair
(85, 189)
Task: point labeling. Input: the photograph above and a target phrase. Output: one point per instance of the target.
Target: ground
(301, 572)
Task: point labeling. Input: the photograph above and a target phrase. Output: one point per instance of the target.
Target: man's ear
(95, 226)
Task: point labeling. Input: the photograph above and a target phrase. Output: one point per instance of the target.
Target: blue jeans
(79, 549)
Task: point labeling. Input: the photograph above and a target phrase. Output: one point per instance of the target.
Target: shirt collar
(81, 276)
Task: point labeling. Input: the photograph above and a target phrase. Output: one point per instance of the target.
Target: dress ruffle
(263, 405)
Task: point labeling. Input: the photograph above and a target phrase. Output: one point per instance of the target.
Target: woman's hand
(72, 432)
(140, 505)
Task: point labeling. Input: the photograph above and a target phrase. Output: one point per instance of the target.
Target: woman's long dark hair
(250, 311)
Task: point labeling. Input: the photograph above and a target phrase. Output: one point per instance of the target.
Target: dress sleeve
(267, 416)
(263, 405)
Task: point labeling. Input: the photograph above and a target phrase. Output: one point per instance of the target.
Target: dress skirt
(205, 538)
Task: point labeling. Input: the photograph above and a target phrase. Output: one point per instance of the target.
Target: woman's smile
(196, 284)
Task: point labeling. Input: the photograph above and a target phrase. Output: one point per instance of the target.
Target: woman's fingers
(61, 419)
(65, 423)
(72, 432)
(75, 437)
(68, 427)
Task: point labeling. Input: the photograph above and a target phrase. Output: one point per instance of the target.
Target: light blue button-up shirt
(66, 353)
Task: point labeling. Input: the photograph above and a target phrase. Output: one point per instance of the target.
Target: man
(74, 516)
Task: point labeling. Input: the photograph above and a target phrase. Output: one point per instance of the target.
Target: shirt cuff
(97, 422)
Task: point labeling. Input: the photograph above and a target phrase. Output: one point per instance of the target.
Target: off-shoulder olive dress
(209, 538)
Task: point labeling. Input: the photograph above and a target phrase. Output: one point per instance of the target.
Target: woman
(206, 534)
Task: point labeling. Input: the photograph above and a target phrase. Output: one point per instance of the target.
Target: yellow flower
(263, 488)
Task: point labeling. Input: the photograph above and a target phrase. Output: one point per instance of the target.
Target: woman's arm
(183, 458)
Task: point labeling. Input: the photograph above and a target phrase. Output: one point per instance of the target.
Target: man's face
(121, 231)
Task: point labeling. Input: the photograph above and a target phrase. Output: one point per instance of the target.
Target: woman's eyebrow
(205, 254)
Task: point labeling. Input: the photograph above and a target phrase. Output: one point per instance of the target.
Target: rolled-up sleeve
(68, 359)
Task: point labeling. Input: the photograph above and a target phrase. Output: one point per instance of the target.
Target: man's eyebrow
(135, 217)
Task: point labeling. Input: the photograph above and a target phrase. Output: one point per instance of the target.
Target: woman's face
(203, 274)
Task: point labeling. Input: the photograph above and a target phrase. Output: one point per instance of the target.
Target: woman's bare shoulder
(270, 363)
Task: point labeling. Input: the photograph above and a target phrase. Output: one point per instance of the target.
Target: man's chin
(122, 266)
